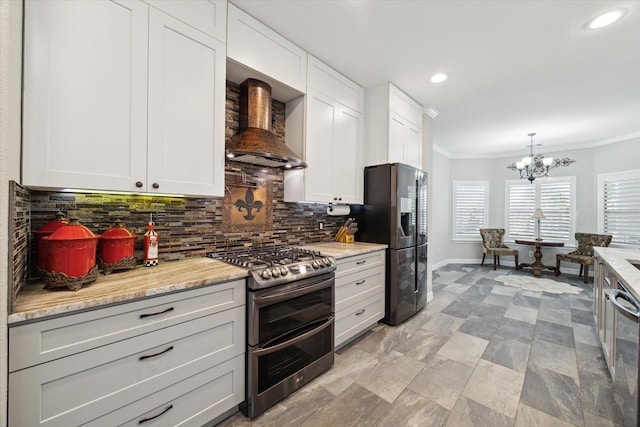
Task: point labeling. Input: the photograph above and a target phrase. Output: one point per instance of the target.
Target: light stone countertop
(620, 260)
(343, 250)
(35, 302)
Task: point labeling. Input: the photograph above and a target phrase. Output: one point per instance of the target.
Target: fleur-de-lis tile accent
(249, 204)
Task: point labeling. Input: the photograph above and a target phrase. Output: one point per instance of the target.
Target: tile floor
(480, 354)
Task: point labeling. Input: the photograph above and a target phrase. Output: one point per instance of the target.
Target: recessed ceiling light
(605, 19)
(438, 78)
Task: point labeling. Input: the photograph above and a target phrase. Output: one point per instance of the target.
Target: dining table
(537, 265)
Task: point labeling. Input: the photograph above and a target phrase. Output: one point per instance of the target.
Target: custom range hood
(255, 143)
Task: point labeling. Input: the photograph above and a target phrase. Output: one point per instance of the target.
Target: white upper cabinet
(394, 127)
(254, 45)
(119, 96)
(207, 16)
(331, 137)
(186, 108)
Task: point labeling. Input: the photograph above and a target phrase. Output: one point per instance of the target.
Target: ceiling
(514, 67)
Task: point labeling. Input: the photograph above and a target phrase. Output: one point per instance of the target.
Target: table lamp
(538, 215)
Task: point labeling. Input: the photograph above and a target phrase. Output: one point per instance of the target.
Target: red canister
(71, 256)
(117, 248)
(47, 230)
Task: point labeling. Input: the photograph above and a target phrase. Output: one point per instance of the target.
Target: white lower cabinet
(187, 368)
(360, 284)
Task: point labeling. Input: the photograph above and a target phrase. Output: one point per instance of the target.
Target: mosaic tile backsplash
(188, 227)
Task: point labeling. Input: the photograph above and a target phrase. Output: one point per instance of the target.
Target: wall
(590, 162)
(440, 234)
(10, 93)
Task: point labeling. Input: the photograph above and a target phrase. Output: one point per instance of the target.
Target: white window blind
(470, 209)
(556, 198)
(619, 206)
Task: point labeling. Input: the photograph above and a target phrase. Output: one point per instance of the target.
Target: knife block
(347, 238)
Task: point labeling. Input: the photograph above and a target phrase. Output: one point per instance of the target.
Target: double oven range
(290, 320)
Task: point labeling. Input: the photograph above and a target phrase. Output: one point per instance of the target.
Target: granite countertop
(620, 260)
(35, 302)
(343, 250)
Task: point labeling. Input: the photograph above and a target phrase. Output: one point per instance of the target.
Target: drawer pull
(142, 316)
(360, 282)
(359, 312)
(361, 262)
(144, 420)
(148, 356)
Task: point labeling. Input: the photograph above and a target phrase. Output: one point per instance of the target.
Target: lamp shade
(538, 214)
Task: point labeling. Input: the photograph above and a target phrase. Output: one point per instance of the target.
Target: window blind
(556, 198)
(470, 209)
(619, 206)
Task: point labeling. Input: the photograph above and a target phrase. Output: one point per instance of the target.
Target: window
(470, 209)
(556, 198)
(619, 206)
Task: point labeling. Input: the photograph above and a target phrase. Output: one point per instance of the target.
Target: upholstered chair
(492, 244)
(584, 254)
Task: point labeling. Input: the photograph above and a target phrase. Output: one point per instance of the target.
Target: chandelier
(536, 166)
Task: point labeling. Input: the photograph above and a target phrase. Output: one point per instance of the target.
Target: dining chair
(584, 254)
(492, 244)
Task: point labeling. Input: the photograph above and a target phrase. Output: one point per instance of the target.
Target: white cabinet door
(254, 45)
(397, 126)
(208, 16)
(85, 94)
(319, 153)
(186, 109)
(347, 156)
(413, 146)
(405, 141)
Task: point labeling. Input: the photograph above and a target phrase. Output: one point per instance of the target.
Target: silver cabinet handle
(142, 316)
(359, 312)
(144, 420)
(148, 356)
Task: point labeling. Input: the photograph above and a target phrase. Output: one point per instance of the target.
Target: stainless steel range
(290, 320)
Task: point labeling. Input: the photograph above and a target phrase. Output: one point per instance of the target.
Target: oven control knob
(284, 271)
(326, 261)
(266, 274)
(275, 272)
(315, 264)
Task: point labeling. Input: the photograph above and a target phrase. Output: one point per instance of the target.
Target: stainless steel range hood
(255, 143)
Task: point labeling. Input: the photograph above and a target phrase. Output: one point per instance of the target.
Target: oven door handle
(264, 351)
(275, 297)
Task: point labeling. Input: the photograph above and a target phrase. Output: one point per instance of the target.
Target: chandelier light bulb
(536, 165)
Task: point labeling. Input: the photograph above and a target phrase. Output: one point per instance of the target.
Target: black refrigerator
(395, 213)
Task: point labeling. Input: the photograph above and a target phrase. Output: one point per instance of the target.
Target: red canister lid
(72, 231)
(118, 231)
(52, 225)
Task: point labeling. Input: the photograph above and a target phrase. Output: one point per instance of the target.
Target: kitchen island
(612, 265)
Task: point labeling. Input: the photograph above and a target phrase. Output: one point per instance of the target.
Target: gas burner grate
(255, 258)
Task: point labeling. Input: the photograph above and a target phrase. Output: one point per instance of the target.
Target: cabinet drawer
(195, 400)
(78, 388)
(358, 318)
(355, 287)
(359, 262)
(38, 342)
